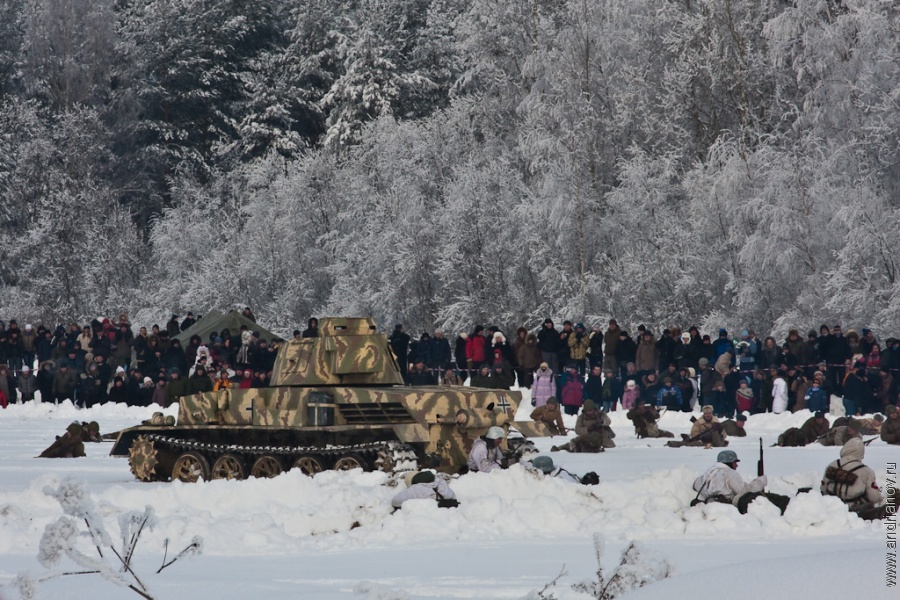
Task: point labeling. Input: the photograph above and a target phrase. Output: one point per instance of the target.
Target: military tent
(216, 321)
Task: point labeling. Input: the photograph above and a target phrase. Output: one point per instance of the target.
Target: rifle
(870, 440)
(715, 427)
(760, 465)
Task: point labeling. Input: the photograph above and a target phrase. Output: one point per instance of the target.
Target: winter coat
(702, 426)
(646, 357)
(864, 489)
(610, 346)
(548, 340)
(593, 388)
(476, 349)
(484, 458)
(438, 354)
(544, 386)
(812, 428)
(722, 480)
(669, 397)
(64, 383)
(586, 424)
(459, 352)
(779, 395)
(529, 355)
(890, 430)
(572, 392)
(175, 389)
(551, 416)
(817, 399)
(630, 397)
(578, 345)
(197, 383)
(743, 399)
(28, 386)
(424, 491)
(626, 351)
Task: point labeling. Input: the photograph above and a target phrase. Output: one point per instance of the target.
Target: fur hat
(630, 384)
(707, 409)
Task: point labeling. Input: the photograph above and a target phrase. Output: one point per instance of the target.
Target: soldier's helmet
(727, 457)
(170, 420)
(543, 464)
(158, 419)
(495, 433)
(94, 427)
(74, 428)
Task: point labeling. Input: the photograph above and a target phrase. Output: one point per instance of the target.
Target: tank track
(389, 456)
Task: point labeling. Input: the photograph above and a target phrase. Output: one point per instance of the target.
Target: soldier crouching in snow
(721, 483)
(735, 428)
(854, 483)
(486, 455)
(594, 433)
(550, 415)
(67, 445)
(644, 417)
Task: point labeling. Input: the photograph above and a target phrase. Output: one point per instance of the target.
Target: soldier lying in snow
(67, 445)
(706, 431)
(811, 430)
(426, 485)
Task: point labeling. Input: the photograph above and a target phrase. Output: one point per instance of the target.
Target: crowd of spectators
(675, 369)
(106, 361)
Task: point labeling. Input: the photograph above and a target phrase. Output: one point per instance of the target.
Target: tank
(334, 402)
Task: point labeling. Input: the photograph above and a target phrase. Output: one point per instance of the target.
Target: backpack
(839, 482)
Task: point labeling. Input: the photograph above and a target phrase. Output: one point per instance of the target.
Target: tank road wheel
(266, 466)
(142, 457)
(308, 465)
(189, 467)
(351, 461)
(229, 466)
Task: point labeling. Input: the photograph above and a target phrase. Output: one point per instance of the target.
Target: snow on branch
(65, 538)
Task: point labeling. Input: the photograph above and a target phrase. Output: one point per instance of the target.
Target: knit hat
(703, 361)
(147, 380)
(630, 384)
(589, 405)
(545, 365)
(120, 369)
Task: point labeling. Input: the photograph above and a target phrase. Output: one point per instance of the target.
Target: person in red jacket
(476, 348)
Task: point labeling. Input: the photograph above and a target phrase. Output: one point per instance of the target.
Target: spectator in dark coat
(439, 356)
(399, 341)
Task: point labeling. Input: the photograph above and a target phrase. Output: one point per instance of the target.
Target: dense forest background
(446, 162)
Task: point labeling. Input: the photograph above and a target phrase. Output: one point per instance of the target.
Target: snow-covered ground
(334, 535)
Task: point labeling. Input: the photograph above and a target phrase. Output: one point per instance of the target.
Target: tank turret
(347, 352)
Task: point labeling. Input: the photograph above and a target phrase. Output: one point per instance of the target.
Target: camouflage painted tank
(334, 402)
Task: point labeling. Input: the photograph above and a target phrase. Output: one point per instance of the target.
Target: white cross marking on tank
(503, 403)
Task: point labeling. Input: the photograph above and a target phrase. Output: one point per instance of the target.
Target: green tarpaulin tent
(216, 321)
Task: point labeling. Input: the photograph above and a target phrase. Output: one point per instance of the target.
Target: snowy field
(334, 536)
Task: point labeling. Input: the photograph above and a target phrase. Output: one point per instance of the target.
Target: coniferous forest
(446, 162)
